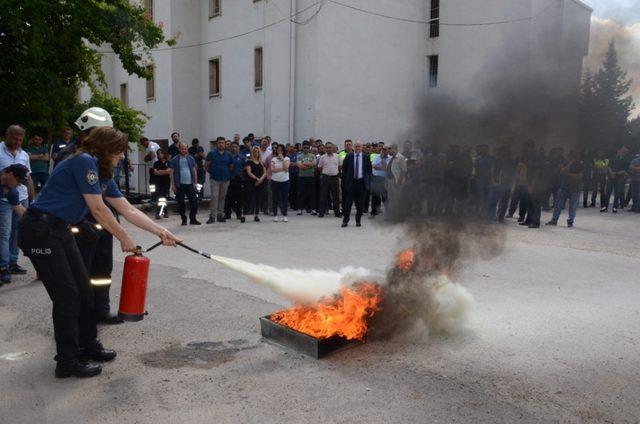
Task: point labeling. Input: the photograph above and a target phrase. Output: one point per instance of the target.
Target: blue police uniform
(96, 247)
(45, 238)
(11, 194)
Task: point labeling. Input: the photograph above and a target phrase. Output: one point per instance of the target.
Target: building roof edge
(583, 4)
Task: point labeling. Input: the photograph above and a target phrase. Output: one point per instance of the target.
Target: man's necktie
(357, 170)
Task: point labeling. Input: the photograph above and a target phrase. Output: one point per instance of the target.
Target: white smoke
(449, 304)
(297, 285)
(442, 304)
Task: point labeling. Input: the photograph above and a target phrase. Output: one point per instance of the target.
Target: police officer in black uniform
(78, 185)
(96, 244)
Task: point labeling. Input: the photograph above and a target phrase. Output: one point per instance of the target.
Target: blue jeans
(562, 196)
(9, 233)
(280, 196)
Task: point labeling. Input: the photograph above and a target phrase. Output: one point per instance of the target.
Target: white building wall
(355, 75)
(370, 72)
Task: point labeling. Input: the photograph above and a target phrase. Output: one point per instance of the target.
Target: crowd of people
(250, 176)
(58, 202)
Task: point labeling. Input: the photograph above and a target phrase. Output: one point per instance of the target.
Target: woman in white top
(279, 182)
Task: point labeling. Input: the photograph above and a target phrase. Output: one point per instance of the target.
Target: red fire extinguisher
(134, 287)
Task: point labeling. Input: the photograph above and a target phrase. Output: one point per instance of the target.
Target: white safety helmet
(94, 117)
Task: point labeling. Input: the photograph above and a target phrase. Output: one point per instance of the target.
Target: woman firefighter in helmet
(80, 184)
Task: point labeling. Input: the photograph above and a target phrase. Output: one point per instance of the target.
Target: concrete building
(339, 68)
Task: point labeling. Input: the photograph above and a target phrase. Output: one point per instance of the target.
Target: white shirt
(279, 177)
(152, 147)
(357, 160)
(377, 160)
(329, 164)
(21, 157)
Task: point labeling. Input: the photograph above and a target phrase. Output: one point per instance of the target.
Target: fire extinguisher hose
(190, 249)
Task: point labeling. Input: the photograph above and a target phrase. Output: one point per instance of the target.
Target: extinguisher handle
(153, 247)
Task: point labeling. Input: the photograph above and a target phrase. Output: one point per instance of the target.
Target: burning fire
(406, 259)
(343, 315)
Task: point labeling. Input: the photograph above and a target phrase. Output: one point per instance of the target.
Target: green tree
(612, 101)
(48, 49)
(587, 112)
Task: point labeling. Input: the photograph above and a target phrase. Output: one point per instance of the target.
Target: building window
(433, 71)
(148, 8)
(257, 67)
(434, 19)
(215, 8)
(124, 95)
(151, 83)
(214, 77)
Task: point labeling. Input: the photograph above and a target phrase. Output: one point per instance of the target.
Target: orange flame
(344, 315)
(406, 259)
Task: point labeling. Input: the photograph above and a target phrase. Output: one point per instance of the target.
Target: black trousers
(519, 200)
(53, 251)
(354, 194)
(187, 190)
(329, 183)
(378, 193)
(96, 248)
(235, 197)
(255, 196)
(293, 192)
(537, 200)
(307, 193)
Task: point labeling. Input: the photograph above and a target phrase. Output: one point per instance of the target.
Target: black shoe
(97, 353)
(5, 276)
(604, 209)
(321, 215)
(195, 222)
(569, 224)
(256, 218)
(358, 224)
(109, 319)
(210, 220)
(344, 224)
(227, 217)
(614, 210)
(552, 222)
(184, 221)
(534, 226)
(300, 212)
(242, 220)
(17, 269)
(77, 369)
(338, 215)
(523, 223)
(221, 219)
(158, 217)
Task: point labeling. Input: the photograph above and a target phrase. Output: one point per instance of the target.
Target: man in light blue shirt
(11, 153)
(183, 183)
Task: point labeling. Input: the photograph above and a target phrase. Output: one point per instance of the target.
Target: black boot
(77, 369)
(109, 319)
(96, 352)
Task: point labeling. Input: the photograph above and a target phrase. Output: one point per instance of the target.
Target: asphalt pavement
(554, 336)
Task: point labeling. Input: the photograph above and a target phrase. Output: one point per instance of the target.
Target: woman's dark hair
(164, 154)
(104, 143)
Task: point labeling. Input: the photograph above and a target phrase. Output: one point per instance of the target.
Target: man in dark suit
(356, 172)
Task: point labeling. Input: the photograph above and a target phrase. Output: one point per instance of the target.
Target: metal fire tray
(301, 342)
